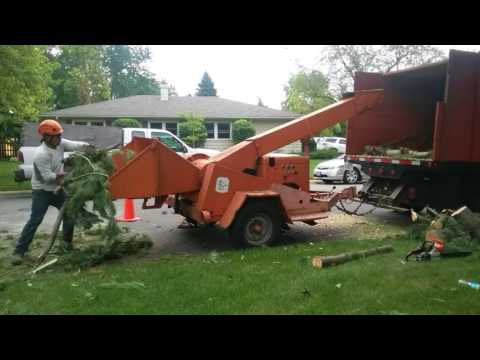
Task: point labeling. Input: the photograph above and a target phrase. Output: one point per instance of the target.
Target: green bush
(127, 123)
(324, 154)
(192, 130)
(242, 129)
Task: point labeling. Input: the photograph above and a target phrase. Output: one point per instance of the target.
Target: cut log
(325, 261)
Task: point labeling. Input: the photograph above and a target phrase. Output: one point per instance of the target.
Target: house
(165, 112)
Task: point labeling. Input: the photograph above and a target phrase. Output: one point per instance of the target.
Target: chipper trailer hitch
(246, 189)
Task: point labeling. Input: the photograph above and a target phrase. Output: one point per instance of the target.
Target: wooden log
(325, 261)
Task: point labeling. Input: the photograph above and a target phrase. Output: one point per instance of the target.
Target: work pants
(41, 200)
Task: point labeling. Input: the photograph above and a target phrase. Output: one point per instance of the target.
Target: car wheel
(257, 224)
(352, 176)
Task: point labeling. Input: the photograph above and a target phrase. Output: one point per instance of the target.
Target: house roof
(152, 106)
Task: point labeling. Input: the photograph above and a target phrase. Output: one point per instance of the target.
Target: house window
(223, 131)
(172, 127)
(156, 125)
(96, 123)
(210, 130)
(79, 123)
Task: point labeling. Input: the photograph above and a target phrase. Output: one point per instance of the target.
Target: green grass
(277, 280)
(7, 182)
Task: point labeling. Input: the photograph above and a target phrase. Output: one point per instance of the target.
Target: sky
(240, 72)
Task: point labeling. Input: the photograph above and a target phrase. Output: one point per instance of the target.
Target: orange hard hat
(50, 127)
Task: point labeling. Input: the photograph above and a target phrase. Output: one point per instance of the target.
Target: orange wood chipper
(246, 189)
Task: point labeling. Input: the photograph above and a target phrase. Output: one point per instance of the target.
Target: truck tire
(258, 223)
(352, 177)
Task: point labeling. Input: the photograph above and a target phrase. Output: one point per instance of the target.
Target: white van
(26, 153)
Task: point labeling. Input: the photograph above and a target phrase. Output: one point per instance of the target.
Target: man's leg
(68, 224)
(40, 202)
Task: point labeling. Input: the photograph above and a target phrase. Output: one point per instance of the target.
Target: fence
(9, 148)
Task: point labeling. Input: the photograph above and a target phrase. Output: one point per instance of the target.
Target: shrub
(127, 123)
(242, 129)
(324, 154)
(192, 130)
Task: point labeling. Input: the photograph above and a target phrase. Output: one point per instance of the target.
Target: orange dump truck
(435, 109)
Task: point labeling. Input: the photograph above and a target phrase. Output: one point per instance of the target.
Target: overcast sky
(240, 72)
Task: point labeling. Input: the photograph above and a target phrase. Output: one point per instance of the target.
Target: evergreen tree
(260, 102)
(206, 86)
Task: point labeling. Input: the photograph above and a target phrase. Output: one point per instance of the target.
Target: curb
(15, 194)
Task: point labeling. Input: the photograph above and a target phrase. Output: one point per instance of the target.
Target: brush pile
(85, 182)
(458, 230)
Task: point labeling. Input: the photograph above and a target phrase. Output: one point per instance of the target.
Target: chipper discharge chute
(246, 189)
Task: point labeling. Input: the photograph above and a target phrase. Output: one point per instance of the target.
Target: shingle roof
(152, 106)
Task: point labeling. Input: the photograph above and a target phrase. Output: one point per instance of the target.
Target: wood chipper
(246, 189)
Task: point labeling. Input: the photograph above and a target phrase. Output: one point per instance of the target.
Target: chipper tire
(258, 223)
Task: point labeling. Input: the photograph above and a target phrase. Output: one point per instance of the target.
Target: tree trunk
(325, 261)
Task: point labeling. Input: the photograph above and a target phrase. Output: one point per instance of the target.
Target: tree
(127, 123)
(260, 102)
(307, 91)
(343, 61)
(242, 129)
(81, 77)
(127, 71)
(25, 75)
(206, 86)
(192, 130)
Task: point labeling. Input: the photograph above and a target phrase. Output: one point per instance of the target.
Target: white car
(338, 143)
(337, 170)
(26, 153)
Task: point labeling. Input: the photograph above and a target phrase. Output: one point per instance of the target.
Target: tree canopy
(344, 60)
(80, 77)
(25, 73)
(307, 91)
(127, 71)
(206, 87)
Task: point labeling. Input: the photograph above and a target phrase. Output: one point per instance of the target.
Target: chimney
(163, 92)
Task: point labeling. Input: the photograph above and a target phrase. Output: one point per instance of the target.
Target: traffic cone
(128, 212)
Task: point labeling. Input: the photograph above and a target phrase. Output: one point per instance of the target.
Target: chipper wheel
(257, 223)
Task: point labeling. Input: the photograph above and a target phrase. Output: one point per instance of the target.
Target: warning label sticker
(222, 184)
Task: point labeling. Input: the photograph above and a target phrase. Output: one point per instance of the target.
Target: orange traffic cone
(128, 212)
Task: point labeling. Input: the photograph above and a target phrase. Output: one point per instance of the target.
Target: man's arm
(70, 145)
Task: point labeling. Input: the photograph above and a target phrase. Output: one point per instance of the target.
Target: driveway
(161, 225)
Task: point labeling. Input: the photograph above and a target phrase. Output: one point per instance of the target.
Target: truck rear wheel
(258, 223)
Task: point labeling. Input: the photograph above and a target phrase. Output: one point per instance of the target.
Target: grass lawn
(7, 182)
(277, 280)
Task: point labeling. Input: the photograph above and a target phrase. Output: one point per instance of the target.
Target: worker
(47, 179)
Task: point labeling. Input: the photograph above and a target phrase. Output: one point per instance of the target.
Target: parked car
(338, 143)
(26, 153)
(337, 170)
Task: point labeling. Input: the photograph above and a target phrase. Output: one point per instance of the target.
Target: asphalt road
(161, 225)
